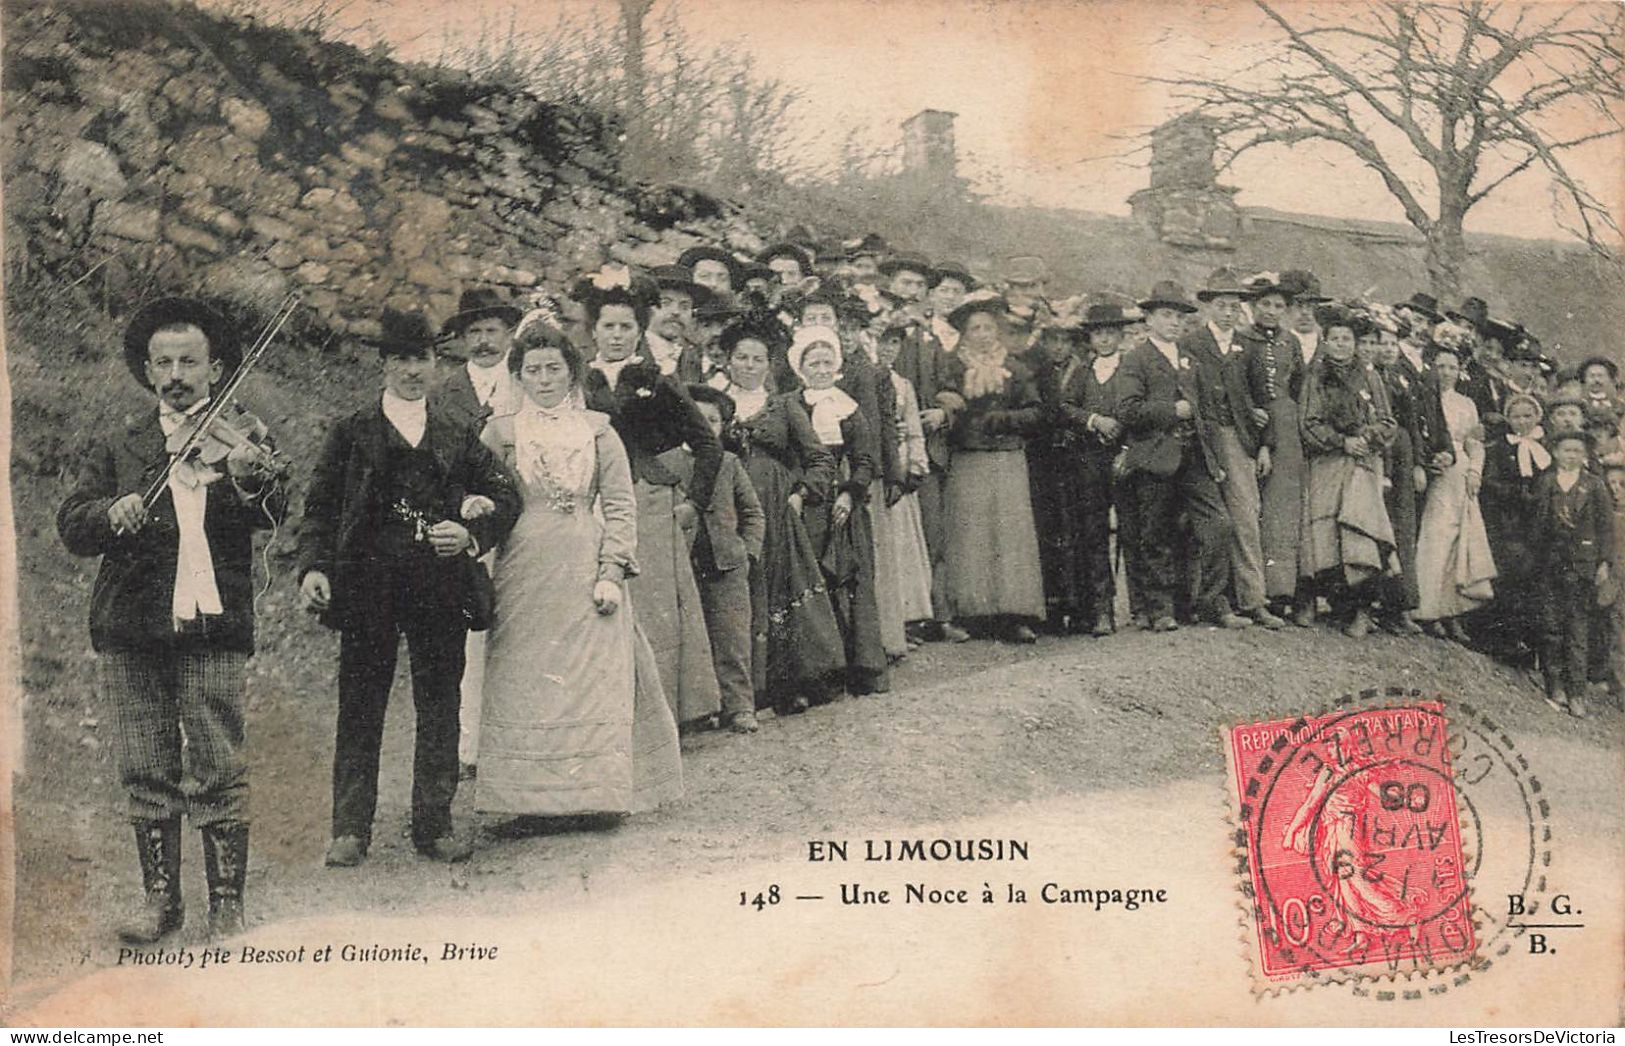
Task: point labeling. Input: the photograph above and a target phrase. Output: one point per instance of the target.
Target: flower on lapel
(1184, 363)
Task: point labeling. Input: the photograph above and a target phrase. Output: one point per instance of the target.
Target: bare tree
(1444, 101)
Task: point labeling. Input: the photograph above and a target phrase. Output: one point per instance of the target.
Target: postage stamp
(1350, 836)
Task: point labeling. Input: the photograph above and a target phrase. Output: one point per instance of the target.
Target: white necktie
(195, 591)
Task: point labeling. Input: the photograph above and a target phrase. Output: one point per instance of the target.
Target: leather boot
(225, 862)
(158, 845)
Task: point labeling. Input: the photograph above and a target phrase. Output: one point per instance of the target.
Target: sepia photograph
(812, 513)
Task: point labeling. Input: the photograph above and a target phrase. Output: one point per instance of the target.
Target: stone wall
(170, 151)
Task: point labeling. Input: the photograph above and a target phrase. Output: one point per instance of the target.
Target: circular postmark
(1367, 831)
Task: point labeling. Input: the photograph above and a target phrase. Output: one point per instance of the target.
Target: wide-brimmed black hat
(1222, 281)
(708, 252)
(992, 304)
(872, 245)
(787, 250)
(910, 262)
(1426, 304)
(1105, 314)
(1474, 310)
(1301, 286)
(403, 333)
(156, 315)
(679, 278)
(952, 271)
(717, 310)
(1166, 294)
(480, 303)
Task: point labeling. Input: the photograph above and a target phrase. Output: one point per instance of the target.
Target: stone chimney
(1185, 204)
(928, 145)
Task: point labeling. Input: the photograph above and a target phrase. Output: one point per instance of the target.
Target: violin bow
(222, 398)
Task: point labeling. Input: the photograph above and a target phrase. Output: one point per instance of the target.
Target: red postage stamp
(1351, 843)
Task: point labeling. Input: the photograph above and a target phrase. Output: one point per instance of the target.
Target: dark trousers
(158, 693)
(1159, 504)
(725, 598)
(933, 497)
(434, 643)
(1095, 530)
(1568, 598)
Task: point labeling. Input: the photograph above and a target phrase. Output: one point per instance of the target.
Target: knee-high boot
(225, 863)
(158, 845)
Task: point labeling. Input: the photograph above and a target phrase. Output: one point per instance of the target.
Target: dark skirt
(1402, 593)
(794, 637)
(847, 557)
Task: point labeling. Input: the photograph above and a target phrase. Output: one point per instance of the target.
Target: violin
(208, 445)
(212, 435)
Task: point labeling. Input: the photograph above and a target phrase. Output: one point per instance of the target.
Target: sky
(1046, 91)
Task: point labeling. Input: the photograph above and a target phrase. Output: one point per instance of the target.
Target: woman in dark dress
(840, 528)
(1379, 347)
(653, 414)
(1513, 463)
(796, 644)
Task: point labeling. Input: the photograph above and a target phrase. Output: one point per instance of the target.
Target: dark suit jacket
(1150, 387)
(1574, 528)
(1223, 384)
(343, 505)
(130, 603)
(733, 526)
(455, 398)
(1271, 368)
(932, 370)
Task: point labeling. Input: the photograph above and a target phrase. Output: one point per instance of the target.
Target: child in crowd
(1572, 531)
(728, 541)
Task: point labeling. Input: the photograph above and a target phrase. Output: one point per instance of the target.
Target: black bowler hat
(481, 303)
(1166, 294)
(1474, 310)
(680, 278)
(1300, 286)
(1224, 281)
(873, 245)
(1105, 314)
(1426, 304)
(152, 317)
(403, 334)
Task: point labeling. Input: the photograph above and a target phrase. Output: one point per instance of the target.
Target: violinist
(172, 609)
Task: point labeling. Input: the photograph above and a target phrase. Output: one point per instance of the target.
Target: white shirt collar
(1308, 343)
(1105, 366)
(1222, 337)
(612, 371)
(664, 351)
(410, 417)
(1169, 350)
(486, 380)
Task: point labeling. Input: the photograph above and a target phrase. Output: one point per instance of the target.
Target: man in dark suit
(401, 501)
(482, 329)
(1172, 466)
(479, 387)
(172, 611)
(1236, 424)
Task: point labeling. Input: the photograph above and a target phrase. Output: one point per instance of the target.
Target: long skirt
(1281, 503)
(992, 560)
(794, 637)
(1346, 529)
(847, 557)
(1454, 565)
(669, 608)
(888, 592)
(573, 718)
(913, 559)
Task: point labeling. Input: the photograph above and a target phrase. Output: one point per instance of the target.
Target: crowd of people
(673, 500)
